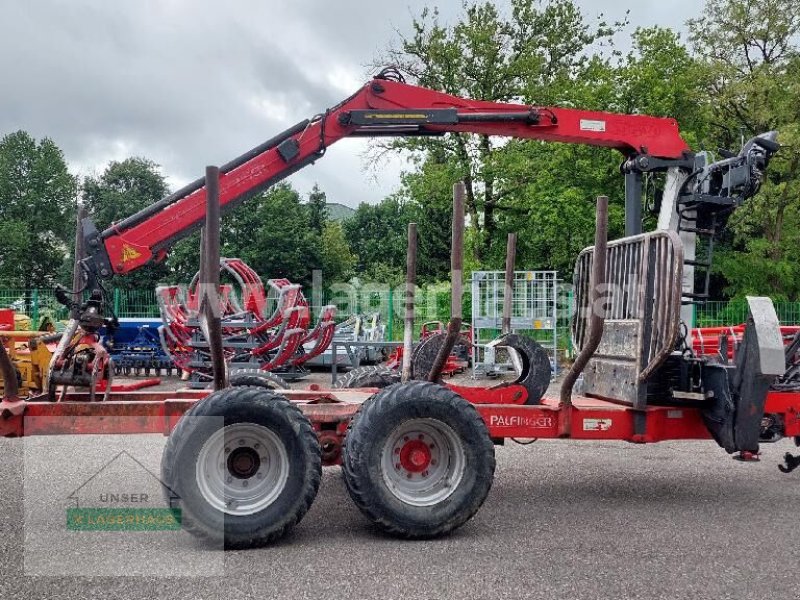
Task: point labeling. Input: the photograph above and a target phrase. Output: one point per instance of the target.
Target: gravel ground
(563, 520)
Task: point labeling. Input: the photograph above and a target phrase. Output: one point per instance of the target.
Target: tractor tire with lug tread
(418, 460)
(213, 470)
(257, 378)
(368, 377)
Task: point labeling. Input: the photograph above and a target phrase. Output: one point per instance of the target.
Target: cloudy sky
(188, 83)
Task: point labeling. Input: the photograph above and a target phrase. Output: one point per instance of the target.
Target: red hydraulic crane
(384, 106)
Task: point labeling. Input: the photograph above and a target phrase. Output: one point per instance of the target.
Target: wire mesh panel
(534, 300)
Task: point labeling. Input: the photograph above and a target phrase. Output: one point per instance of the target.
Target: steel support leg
(633, 203)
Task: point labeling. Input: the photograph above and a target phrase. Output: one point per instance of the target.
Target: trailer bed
(158, 411)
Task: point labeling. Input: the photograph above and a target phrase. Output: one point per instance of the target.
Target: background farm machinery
(431, 334)
(264, 329)
(362, 336)
(136, 349)
(86, 359)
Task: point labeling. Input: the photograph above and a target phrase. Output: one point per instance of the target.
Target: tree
(549, 189)
(750, 50)
(272, 234)
(376, 235)
(752, 68)
(37, 200)
(660, 77)
(543, 191)
(318, 212)
(427, 195)
(123, 189)
(552, 207)
(533, 55)
(337, 259)
(183, 260)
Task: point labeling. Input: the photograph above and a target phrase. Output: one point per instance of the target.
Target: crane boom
(381, 107)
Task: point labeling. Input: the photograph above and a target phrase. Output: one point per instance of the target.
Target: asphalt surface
(563, 520)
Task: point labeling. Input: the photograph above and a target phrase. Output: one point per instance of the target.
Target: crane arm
(381, 107)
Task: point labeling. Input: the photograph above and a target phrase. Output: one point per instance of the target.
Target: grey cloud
(189, 83)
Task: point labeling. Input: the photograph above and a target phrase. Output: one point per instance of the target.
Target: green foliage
(317, 211)
(427, 195)
(542, 53)
(337, 259)
(536, 53)
(278, 236)
(125, 188)
(183, 260)
(37, 218)
(376, 234)
(660, 78)
(751, 63)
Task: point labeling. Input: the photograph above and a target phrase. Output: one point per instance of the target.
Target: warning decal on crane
(129, 253)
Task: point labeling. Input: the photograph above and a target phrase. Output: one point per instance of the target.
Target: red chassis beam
(329, 411)
(148, 235)
(158, 412)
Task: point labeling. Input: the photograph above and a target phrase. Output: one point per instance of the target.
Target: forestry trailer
(243, 463)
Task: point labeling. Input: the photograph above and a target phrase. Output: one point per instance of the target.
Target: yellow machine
(30, 353)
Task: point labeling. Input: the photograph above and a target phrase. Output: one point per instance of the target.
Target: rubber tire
(425, 353)
(368, 377)
(367, 434)
(257, 378)
(539, 372)
(242, 405)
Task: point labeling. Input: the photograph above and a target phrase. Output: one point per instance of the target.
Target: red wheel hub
(415, 456)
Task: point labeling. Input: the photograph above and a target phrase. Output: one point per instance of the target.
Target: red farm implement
(264, 329)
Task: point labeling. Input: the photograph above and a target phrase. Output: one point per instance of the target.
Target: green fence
(35, 303)
(40, 303)
(135, 303)
(716, 314)
(432, 304)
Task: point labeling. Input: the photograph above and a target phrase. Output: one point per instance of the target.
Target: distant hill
(339, 212)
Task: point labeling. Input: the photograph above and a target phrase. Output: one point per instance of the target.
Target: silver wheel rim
(242, 469)
(417, 476)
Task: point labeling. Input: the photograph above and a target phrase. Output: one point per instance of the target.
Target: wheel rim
(242, 469)
(423, 461)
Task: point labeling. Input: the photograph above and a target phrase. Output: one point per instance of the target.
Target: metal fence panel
(719, 314)
(534, 307)
(432, 304)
